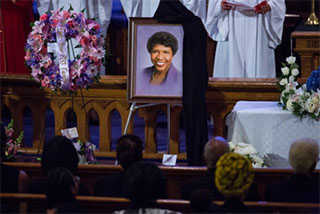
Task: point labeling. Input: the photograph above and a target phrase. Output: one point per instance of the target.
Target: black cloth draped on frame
(195, 76)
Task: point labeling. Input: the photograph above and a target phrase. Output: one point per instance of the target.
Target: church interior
(108, 109)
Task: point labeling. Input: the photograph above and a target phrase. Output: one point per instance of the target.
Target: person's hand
(225, 5)
(263, 9)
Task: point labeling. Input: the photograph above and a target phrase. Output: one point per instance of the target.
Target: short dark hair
(129, 150)
(57, 187)
(59, 152)
(144, 182)
(163, 38)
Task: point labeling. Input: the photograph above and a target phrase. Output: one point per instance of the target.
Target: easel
(134, 107)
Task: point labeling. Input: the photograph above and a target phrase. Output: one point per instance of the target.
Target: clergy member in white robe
(147, 8)
(246, 39)
(99, 9)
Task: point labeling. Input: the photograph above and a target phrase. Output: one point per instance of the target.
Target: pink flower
(27, 56)
(93, 58)
(70, 23)
(84, 41)
(45, 82)
(43, 17)
(9, 132)
(44, 50)
(55, 22)
(66, 14)
(47, 64)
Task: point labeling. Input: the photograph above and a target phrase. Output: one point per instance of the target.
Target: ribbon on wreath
(63, 58)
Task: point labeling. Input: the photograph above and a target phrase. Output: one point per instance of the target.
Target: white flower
(289, 105)
(285, 70)
(244, 149)
(294, 72)
(300, 91)
(291, 79)
(249, 151)
(77, 146)
(290, 60)
(283, 82)
(310, 106)
(231, 145)
(291, 86)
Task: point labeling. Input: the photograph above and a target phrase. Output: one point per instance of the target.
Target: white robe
(147, 8)
(245, 41)
(99, 9)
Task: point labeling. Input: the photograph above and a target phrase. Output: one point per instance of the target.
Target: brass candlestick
(312, 19)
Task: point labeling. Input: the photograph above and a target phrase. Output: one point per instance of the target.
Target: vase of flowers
(301, 100)
(85, 152)
(12, 145)
(249, 152)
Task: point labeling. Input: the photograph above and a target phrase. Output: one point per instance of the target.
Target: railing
(19, 92)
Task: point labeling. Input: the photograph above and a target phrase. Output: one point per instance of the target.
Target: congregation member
(300, 187)
(57, 152)
(147, 8)
(12, 179)
(143, 184)
(213, 150)
(129, 150)
(246, 36)
(233, 179)
(61, 189)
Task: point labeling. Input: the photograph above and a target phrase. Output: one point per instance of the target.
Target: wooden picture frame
(144, 85)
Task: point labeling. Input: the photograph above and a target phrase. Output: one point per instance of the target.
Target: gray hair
(214, 149)
(303, 155)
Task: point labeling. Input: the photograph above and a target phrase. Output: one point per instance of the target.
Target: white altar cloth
(268, 128)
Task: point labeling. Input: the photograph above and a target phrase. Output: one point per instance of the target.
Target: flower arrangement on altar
(12, 145)
(85, 152)
(50, 52)
(249, 152)
(301, 100)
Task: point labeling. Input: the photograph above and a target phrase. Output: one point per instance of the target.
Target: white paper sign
(52, 47)
(169, 160)
(70, 133)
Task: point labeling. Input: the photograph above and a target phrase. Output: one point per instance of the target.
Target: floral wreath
(301, 100)
(50, 52)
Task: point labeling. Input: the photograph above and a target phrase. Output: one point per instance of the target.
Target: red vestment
(15, 19)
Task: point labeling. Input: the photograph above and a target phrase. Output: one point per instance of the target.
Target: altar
(269, 128)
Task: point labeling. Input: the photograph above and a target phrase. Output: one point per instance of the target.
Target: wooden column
(308, 47)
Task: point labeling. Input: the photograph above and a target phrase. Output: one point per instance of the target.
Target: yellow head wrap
(233, 174)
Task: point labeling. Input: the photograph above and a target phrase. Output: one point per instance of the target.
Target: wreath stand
(134, 107)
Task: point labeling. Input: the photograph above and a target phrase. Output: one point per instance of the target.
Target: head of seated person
(60, 187)
(143, 184)
(304, 155)
(129, 149)
(233, 176)
(214, 149)
(59, 152)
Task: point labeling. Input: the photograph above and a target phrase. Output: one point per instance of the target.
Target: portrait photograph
(156, 57)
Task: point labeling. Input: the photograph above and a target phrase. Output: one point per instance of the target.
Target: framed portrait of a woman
(155, 61)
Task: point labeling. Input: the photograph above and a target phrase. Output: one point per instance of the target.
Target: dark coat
(110, 186)
(298, 188)
(208, 182)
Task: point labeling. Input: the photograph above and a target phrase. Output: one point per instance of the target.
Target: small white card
(169, 160)
(70, 133)
(52, 47)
